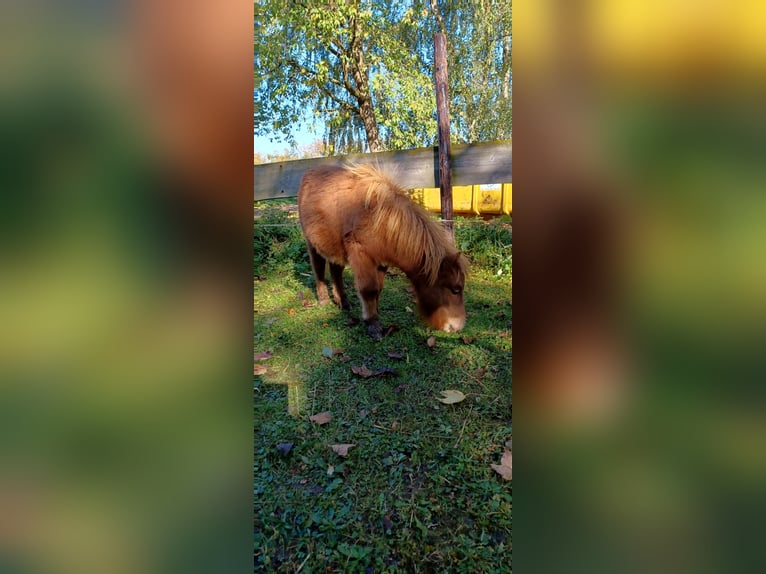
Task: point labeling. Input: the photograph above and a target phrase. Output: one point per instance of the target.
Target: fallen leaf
(321, 418)
(400, 388)
(341, 449)
(291, 311)
(390, 330)
(284, 448)
(394, 425)
(366, 373)
(260, 369)
(363, 413)
(451, 396)
(394, 355)
(431, 341)
(479, 373)
(408, 309)
(362, 371)
(262, 356)
(468, 340)
(327, 352)
(504, 468)
(330, 470)
(337, 351)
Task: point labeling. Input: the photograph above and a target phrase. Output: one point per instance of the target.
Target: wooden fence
(472, 164)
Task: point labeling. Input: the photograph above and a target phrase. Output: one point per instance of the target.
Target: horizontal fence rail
(479, 163)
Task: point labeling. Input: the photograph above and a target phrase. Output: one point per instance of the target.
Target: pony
(355, 215)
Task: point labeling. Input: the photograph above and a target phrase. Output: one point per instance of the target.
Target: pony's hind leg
(318, 265)
(338, 289)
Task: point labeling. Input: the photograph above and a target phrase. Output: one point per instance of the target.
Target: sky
(303, 135)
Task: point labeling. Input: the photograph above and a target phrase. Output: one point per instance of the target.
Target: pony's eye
(456, 290)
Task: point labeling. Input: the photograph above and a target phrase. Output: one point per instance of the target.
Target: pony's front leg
(369, 283)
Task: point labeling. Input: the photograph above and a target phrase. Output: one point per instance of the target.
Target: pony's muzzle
(454, 324)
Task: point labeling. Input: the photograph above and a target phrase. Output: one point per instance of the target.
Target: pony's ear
(456, 261)
(461, 262)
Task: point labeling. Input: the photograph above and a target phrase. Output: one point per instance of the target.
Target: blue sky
(303, 135)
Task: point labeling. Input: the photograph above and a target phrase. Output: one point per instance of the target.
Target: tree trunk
(367, 113)
(360, 73)
(507, 67)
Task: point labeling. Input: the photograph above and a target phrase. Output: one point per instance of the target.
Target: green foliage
(488, 245)
(348, 61)
(277, 239)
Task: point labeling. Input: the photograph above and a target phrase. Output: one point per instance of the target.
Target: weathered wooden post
(442, 116)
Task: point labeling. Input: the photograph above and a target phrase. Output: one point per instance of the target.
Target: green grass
(416, 493)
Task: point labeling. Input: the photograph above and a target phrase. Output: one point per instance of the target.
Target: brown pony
(357, 216)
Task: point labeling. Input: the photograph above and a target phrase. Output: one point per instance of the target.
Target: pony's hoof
(375, 330)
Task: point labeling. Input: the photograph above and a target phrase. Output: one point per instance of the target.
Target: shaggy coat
(359, 217)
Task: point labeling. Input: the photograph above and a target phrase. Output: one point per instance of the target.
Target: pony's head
(441, 303)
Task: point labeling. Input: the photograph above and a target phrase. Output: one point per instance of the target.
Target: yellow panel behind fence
(507, 199)
(490, 198)
(462, 199)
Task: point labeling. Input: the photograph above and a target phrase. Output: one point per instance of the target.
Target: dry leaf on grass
(394, 355)
(284, 448)
(262, 356)
(504, 468)
(341, 449)
(431, 341)
(390, 330)
(451, 396)
(468, 340)
(321, 418)
(260, 369)
(366, 373)
(362, 371)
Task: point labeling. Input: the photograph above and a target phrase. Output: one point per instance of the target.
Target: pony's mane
(397, 220)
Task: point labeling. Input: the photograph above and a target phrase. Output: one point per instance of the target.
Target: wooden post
(442, 116)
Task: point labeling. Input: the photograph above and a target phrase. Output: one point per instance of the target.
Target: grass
(416, 493)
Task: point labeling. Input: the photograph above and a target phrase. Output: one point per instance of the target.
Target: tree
(364, 69)
(479, 61)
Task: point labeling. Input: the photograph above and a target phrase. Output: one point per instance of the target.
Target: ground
(416, 493)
